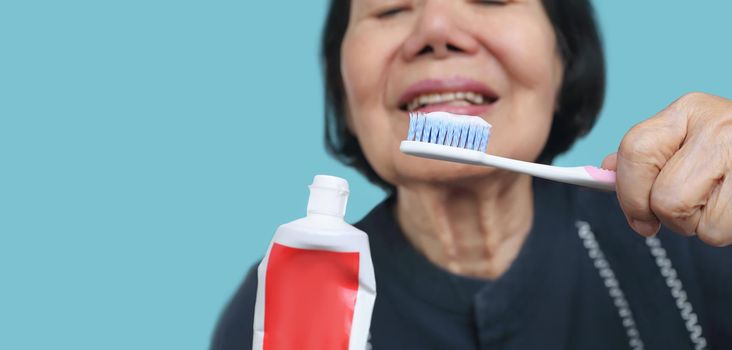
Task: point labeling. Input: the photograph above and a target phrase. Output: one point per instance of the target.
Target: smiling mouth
(447, 99)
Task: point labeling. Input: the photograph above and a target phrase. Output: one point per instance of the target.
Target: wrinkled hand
(676, 168)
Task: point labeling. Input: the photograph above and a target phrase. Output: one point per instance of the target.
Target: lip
(445, 85)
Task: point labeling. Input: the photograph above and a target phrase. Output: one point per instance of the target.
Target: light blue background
(148, 149)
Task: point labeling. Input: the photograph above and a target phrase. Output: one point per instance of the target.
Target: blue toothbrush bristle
(484, 138)
(449, 129)
(441, 132)
(412, 122)
(450, 134)
(471, 136)
(418, 125)
(427, 129)
(463, 135)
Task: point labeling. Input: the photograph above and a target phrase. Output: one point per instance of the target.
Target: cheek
(364, 63)
(361, 84)
(534, 70)
(362, 67)
(524, 135)
(527, 50)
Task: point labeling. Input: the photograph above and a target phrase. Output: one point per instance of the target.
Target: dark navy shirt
(551, 297)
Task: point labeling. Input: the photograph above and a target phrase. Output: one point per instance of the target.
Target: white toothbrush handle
(587, 176)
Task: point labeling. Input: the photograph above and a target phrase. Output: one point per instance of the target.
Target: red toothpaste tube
(316, 286)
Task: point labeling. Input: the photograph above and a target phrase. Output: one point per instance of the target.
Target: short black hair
(579, 102)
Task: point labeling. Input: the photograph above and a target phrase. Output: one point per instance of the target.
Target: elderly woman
(477, 258)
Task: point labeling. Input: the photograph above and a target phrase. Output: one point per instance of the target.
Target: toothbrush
(463, 139)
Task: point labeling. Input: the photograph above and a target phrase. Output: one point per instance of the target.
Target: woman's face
(495, 59)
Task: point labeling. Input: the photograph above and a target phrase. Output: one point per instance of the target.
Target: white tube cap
(328, 196)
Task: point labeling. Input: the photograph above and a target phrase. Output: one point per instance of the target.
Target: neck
(473, 229)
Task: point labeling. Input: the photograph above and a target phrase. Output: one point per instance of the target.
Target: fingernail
(645, 228)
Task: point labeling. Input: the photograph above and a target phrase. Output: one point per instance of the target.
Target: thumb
(610, 162)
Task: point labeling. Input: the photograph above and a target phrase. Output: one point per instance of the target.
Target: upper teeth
(426, 99)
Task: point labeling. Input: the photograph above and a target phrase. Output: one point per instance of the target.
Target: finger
(610, 162)
(715, 225)
(644, 151)
(685, 184)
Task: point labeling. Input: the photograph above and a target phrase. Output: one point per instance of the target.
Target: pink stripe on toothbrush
(601, 174)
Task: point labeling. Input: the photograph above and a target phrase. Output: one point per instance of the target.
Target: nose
(437, 32)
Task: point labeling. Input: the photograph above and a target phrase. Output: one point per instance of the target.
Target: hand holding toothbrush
(674, 168)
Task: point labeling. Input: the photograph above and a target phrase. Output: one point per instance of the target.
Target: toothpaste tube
(316, 286)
